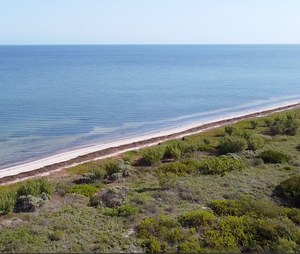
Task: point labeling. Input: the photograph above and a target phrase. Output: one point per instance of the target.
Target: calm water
(53, 98)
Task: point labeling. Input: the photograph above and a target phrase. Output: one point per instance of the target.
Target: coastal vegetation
(231, 189)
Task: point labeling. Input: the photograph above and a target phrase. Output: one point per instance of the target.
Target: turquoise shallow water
(56, 98)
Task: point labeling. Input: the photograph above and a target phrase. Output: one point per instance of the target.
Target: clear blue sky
(149, 21)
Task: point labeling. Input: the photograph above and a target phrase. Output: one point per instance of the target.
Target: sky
(25, 22)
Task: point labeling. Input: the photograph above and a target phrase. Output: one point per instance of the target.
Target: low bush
(260, 208)
(36, 187)
(84, 189)
(155, 227)
(287, 125)
(230, 130)
(273, 157)
(56, 235)
(153, 155)
(220, 165)
(197, 219)
(206, 148)
(254, 124)
(191, 163)
(123, 211)
(293, 214)
(255, 142)
(226, 207)
(232, 144)
(118, 169)
(30, 203)
(175, 168)
(127, 210)
(111, 197)
(172, 151)
(7, 201)
(290, 190)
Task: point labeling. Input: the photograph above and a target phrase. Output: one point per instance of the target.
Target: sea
(65, 97)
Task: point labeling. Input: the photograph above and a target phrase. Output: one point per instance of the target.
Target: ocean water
(58, 98)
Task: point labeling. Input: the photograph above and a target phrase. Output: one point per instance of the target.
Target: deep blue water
(53, 98)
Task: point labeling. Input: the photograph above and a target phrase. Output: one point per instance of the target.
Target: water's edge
(76, 157)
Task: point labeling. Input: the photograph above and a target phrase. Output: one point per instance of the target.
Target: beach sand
(69, 159)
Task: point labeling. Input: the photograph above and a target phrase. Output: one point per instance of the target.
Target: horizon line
(146, 44)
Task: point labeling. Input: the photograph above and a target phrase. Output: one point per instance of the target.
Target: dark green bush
(220, 165)
(230, 129)
(84, 189)
(197, 219)
(175, 168)
(232, 145)
(287, 125)
(206, 141)
(254, 124)
(271, 156)
(290, 190)
(226, 207)
(153, 155)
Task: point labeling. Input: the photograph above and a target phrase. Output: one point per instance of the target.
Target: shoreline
(69, 159)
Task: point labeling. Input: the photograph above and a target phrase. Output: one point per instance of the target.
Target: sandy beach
(65, 160)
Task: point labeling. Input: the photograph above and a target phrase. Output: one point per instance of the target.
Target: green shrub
(284, 245)
(260, 208)
(206, 141)
(118, 169)
(232, 145)
(287, 125)
(243, 230)
(290, 190)
(130, 156)
(268, 121)
(84, 189)
(191, 246)
(191, 163)
(230, 129)
(127, 210)
(152, 245)
(56, 235)
(175, 168)
(99, 173)
(112, 167)
(255, 142)
(220, 165)
(155, 227)
(254, 124)
(36, 187)
(153, 155)
(197, 219)
(7, 201)
(205, 148)
(172, 151)
(293, 214)
(226, 207)
(273, 157)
